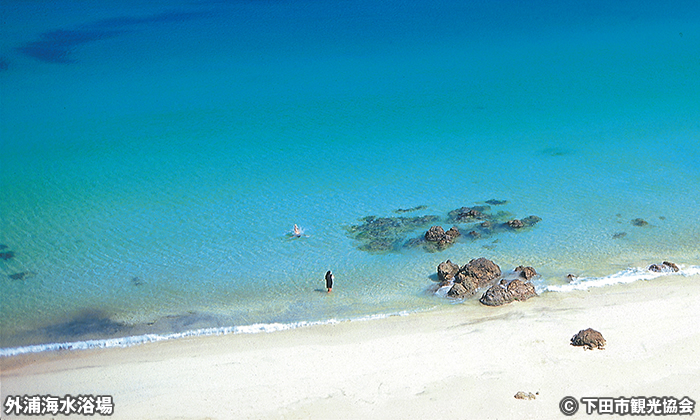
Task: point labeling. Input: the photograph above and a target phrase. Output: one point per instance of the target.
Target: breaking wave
(629, 275)
(203, 332)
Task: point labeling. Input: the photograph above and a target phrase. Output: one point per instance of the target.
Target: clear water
(156, 156)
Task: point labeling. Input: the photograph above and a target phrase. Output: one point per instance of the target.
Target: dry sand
(465, 362)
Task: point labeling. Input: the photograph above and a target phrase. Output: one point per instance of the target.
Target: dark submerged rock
(383, 234)
(515, 223)
(377, 245)
(639, 222)
(7, 255)
(414, 242)
(453, 232)
(435, 233)
(531, 220)
(589, 339)
(468, 214)
(619, 235)
(439, 239)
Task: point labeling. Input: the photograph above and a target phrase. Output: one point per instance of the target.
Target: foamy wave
(626, 276)
(203, 332)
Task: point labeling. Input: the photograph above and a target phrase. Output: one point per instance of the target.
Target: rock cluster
(589, 339)
(480, 273)
(665, 267)
(386, 234)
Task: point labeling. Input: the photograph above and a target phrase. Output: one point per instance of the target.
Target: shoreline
(455, 362)
(141, 336)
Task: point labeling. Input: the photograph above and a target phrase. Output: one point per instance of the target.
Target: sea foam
(629, 275)
(202, 332)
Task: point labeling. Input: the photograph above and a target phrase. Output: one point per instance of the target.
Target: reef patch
(384, 234)
(391, 234)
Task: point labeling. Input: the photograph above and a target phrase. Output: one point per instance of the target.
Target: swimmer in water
(297, 231)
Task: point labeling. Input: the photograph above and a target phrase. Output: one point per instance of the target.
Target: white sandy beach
(461, 363)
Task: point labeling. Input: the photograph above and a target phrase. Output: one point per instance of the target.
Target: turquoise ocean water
(155, 156)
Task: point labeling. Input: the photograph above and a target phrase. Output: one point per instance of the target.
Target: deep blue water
(156, 156)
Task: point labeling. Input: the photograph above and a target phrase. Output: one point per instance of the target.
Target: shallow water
(155, 157)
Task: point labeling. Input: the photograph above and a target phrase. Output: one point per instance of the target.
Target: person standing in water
(329, 281)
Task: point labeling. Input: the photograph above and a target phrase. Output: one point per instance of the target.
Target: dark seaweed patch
(56, 46)
(184, 322)
(619, 235)
(21, 276)
(555, 151)
(90, 324)
(4, 64)
(495, 202)
(421, 207)
(7, 255)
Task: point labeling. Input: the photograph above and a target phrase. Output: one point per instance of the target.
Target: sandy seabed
(463, 362)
